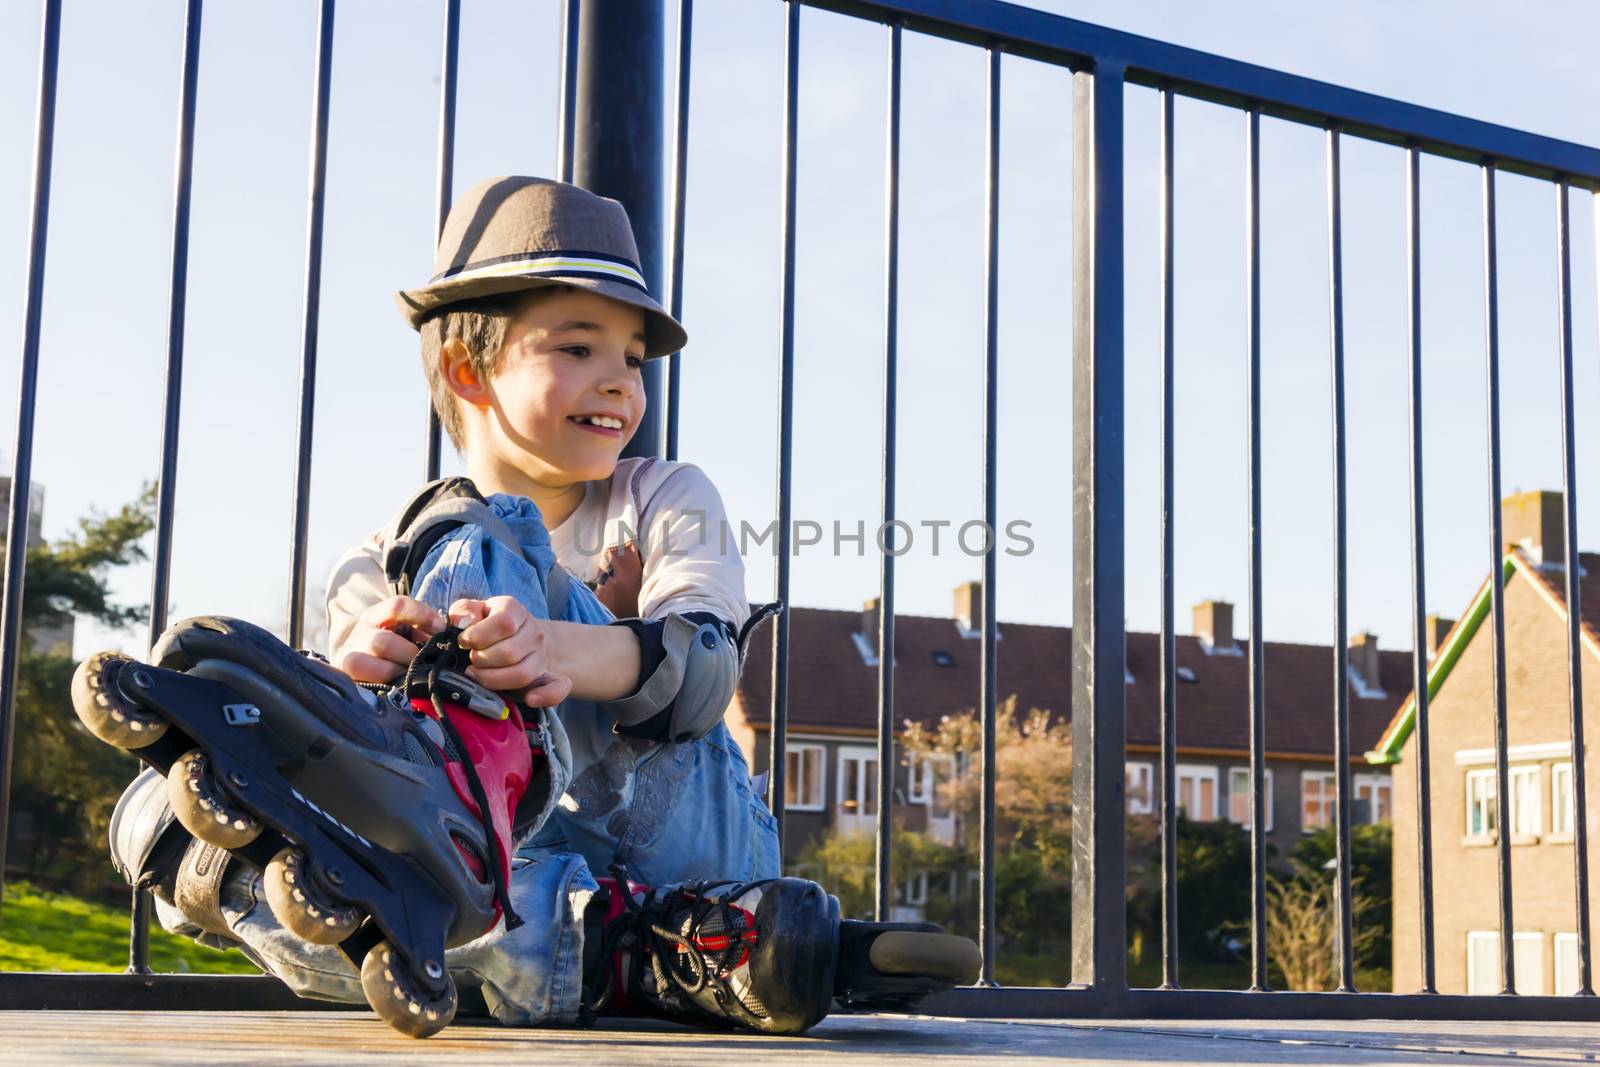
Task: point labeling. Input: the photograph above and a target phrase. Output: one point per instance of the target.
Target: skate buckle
(459, 689)
(241, 714)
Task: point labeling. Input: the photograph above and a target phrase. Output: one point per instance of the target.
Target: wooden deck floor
(108, 1037)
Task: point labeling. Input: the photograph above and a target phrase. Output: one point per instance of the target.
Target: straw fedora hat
(508, 234)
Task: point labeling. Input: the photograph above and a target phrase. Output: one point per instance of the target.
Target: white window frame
(1197, 773)
(923, 784)
(1527, 809)
(1132, 771)
(1561, 802)
(1528, 961)
(1490, 806)
(1328, 798)
(820, 790)
(1238, 773)
(848, 821)
(1374, 782)
(1566, 973)
(914, 890)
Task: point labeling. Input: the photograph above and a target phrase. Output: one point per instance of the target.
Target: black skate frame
(404, 905)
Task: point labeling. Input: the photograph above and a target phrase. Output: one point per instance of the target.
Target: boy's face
(568, 393)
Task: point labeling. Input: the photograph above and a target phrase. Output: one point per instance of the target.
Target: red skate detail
(500, 752)
(722, 942)
(616, 906)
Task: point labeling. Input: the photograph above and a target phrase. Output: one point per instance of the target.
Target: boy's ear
(455, 361)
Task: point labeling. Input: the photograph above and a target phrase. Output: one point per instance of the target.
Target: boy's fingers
(364, 668)
(494, 629)
(464, 612)
(406, 611)
(391, 647)
(547, 691)
(504, 679)
(526, 643)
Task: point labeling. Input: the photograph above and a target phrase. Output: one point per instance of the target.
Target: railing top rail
(1057, 39)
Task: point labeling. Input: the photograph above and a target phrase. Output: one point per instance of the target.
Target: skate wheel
(399, 1000)
(103, 709)
(926, 954)
(201, 807)
(301, 906)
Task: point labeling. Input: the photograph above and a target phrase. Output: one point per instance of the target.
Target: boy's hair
(479, 324)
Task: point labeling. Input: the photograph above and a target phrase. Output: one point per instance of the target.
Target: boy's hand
(509, 653)
(620, 579)
(385, 639)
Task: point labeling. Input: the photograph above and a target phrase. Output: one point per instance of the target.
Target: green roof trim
(1394, 738)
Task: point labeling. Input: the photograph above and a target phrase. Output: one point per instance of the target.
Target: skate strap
(432, 514)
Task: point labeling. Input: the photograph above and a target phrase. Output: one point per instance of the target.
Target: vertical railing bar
(1169, 699)
(1496, 578)
(1569, 488)
(780, 633)
(891, 352)
(166, 486)
(446, 179)
(1341, 583)
(1258, 854)
(566, 122)
(313, 302)
(1419, 599)
(988, 683)
(27, 391)
(1099, 640)
(680, 173)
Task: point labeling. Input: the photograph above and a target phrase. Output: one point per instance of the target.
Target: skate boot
(383, 822)
(770, 956)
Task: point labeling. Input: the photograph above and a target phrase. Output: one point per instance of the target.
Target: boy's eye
(635, 362)
(576, 350)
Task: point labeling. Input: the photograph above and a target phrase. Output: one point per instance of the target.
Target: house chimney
(969, 606)
(1533, 522)
(1213, 624)
(1364, 660)
(1436, 629)
(869, 623)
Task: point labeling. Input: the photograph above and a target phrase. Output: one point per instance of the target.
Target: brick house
(833, 700)
(1461, 751)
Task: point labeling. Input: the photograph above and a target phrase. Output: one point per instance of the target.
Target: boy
(535, 327)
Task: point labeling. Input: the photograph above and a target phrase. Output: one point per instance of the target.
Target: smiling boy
(535, 328)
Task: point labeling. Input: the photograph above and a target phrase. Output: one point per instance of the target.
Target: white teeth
(602, 420)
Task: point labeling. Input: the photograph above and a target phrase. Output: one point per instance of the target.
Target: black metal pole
(1258, 695)
(1491, 279)
(680, 175)
(166, 488)
(776, 769)
(1169, 697)
(1099, 645)
(1419, 598)
(617, 142)
(445, 180)
(891, 351)
(1569, 484)
(306, 418)
(987, 680)
(568, 87)
(27, 390)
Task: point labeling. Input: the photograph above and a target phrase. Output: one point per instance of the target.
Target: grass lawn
(53, 932)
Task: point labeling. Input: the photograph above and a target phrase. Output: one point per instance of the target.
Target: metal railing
(1103, 63)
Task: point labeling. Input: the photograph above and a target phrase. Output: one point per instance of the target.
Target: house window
(1139, 783)
(1561, 801)
(1239, 807)
(1374, 797)
(914, 890)
(1480, 804)
(802, 782)
(1316, 800)
(1197, 792)
(858, 788)
(1525, 802)
(930, 785)
(1483, 962)
(1566, 964)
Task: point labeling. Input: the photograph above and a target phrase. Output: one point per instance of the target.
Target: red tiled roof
(1588, 587)
(831, 687)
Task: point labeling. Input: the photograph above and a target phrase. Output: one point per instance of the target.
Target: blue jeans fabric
(670, 812)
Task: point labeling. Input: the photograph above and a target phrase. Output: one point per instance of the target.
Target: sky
(105, 309)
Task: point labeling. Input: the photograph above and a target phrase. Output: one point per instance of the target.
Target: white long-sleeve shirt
(671, 510)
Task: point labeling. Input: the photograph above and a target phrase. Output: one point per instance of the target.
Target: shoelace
(442, 652)
(681, 957)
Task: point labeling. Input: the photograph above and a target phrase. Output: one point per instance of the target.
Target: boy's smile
(565, 397)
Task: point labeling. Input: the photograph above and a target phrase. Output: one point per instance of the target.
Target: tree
(64, 782)
(1371, 866)
(1213, 860)
(1302, 923)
